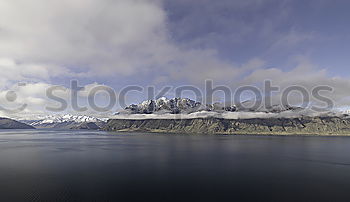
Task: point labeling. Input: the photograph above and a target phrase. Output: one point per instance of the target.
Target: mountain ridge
(67, 121)
(253, 126)
(6, 123)
(186, 106)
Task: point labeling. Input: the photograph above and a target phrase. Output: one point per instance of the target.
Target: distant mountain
(174, 106)
(6, 123)
(67, 121)
(160, 116)
(185, 106)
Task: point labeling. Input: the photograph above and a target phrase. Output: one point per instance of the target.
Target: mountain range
(252, 126)
(67, 121)
(186, 106)
(182, 115)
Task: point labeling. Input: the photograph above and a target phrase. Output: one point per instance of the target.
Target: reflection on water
(46, 165)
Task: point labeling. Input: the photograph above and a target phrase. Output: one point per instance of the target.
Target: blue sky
(272, 30)
(173, 42)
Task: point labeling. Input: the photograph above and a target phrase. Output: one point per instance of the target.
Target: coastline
(304, 126)
(236, 133)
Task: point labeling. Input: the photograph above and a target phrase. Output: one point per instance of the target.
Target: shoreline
(305, 126)
(232, 134)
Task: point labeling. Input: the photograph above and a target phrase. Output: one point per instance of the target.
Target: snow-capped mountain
(69, 118)
(186, 106)
(54, 121)
(174, 106)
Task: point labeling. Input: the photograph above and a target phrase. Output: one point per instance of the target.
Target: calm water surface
(44, 165)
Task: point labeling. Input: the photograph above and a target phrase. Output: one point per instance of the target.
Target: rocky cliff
(273, 126)
(175, 106)
(186, 106)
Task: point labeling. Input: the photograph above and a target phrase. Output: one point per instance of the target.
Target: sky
(170, 43)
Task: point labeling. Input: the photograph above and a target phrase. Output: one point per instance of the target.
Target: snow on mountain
(186, 106)
(65, 118)
(174, 106)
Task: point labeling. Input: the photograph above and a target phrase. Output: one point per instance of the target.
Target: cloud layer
(159, 42)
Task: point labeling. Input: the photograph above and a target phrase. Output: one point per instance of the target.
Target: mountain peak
(174, 106)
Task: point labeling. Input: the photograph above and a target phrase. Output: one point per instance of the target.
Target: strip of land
(259, 126)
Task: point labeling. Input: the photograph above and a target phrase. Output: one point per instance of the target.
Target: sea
(66, 165)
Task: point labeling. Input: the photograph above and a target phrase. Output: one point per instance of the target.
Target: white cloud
(99, 39)
(34, 96)
(14, 72)
(41, 40)
(224, 115)
(307, 75)
(95, 35)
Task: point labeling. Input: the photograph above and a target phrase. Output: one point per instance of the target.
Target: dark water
(96, 166)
